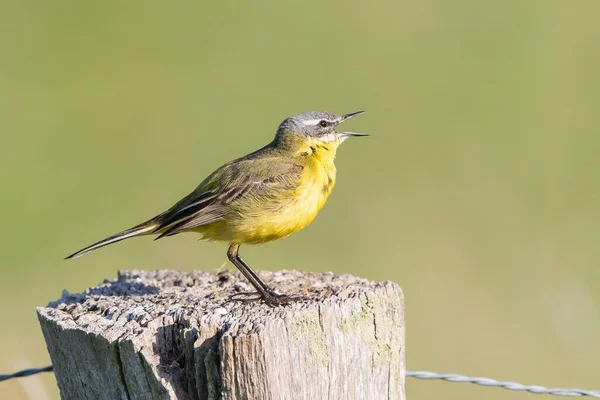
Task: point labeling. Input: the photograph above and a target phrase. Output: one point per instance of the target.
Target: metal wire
(504, 385)
(420, 375)
(26, 372)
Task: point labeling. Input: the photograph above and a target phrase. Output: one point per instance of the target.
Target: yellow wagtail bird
(266, 195)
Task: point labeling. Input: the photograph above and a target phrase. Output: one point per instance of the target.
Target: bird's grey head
(319, 125)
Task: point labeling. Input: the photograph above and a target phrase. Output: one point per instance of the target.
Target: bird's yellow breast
(291, 211)
(317, 182)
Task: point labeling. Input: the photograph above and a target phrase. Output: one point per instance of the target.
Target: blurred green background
(477, 192)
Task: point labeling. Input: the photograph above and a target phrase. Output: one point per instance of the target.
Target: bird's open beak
(347, 117)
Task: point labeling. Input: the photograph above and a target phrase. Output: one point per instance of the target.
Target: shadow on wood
(170, 335)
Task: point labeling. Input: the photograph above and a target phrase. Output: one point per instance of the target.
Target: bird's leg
(233, 256)
(265, 293)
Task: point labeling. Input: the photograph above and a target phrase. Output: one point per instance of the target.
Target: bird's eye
(323, 123)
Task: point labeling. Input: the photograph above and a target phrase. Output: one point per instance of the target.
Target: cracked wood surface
(170, 335)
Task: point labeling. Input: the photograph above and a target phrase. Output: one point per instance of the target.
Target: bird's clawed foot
(270, 298)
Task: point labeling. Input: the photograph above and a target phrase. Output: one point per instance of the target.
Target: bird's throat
(318, 151)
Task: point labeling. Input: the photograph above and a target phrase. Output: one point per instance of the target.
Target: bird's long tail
(141, 229)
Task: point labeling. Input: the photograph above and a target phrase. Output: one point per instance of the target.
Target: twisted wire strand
(426, 375)
(566, 392)
(25, 372)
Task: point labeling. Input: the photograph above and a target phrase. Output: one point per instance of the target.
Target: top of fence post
(170, 335)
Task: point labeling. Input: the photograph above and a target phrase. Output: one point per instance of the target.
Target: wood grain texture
(170, 335)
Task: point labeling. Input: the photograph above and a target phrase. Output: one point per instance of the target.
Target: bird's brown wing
(255, 179)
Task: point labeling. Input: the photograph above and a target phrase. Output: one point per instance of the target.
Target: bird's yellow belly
(280, 217)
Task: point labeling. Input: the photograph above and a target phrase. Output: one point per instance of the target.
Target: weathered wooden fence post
(169, 335)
